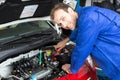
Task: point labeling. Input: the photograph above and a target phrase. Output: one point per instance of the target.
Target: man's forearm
(66, 39)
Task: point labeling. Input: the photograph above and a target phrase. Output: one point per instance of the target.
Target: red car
(86, 72)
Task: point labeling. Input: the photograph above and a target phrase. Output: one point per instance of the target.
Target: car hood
(11, 10)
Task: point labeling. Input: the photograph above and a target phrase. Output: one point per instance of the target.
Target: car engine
(40, 64)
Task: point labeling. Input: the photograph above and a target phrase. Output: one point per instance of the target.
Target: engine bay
(40, 64)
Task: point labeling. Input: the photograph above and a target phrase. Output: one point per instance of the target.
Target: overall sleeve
(88, 31)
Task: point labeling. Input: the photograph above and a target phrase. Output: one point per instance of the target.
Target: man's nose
(63, 24)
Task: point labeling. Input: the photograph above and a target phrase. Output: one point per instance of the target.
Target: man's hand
(61, 44)
(66, 68)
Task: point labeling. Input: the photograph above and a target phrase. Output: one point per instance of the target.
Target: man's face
(66, 20)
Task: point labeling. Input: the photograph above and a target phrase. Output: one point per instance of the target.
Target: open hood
(11, 10)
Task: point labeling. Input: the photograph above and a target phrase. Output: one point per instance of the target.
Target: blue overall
(97, 33)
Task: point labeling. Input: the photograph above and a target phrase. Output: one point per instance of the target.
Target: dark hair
(57, 7)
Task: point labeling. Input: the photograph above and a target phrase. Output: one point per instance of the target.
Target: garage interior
(14, 11)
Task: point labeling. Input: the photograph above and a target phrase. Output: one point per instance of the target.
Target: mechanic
(96, 32)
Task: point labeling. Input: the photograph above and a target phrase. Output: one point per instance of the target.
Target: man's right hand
(66, 68)
(61, 44)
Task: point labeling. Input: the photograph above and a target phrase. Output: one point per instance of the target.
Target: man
(96, 32)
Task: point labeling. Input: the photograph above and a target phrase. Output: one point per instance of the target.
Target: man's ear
(70, 10)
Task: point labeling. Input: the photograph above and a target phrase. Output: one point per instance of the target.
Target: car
(27, 51)
(22, 45)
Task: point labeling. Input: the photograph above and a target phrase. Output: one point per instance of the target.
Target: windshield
(25, 28)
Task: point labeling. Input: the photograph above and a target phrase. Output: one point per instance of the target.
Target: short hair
(57, 7)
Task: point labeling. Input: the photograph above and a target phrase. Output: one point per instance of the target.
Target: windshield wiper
(27, 37)
(13, 38)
